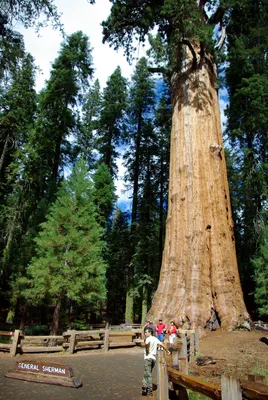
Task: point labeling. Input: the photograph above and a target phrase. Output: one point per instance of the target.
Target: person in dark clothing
(150, 325)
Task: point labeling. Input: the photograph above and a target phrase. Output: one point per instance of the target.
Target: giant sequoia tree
(199, 269)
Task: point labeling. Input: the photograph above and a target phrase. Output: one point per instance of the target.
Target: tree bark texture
(56, 319)
(199, 270)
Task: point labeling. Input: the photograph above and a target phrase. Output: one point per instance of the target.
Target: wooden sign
(44, 372)
(44, 367)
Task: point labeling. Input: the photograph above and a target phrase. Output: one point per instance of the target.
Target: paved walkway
(115, 375)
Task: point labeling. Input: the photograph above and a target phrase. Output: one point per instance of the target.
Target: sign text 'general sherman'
(44, 368)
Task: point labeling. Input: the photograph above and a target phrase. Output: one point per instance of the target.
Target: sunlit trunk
(144, 303)
(129, 300)
(199, 268)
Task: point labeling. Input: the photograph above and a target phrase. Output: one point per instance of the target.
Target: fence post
(196, 345)
(72, 342)
(230, 388)
(183, 357)
(15, 342)
(183, 367)
(162, 377)
(106, 338)
(192, 346)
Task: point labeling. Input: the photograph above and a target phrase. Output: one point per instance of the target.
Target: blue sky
(76, 15)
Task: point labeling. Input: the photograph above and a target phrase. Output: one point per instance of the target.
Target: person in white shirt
(151, 345)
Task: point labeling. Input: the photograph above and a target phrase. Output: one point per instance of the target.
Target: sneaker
(144, 391)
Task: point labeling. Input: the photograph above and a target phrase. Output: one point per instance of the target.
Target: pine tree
(260, 262)
(111, 126)
(69, 77)
(162, 125)
(141, 101)
(247, 113)
(90, 121)
(104, 194)
(118, 258)
(18, 106)
(16, 121)
(48, 149)
(146, 261)
(69, 263)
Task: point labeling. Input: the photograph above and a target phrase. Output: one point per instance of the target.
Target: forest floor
(236, 353)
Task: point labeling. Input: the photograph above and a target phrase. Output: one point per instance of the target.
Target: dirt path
(238, 353)
(115, 375)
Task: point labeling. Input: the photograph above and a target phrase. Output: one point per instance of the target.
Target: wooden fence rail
(69, 341)
(6, 346)
(179, 381)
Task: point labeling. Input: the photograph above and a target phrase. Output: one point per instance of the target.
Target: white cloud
(78, 15)
(223, 102)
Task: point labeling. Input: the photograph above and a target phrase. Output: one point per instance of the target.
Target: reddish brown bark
(56, 318)
(199, 269)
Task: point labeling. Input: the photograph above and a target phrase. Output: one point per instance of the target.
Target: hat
(149, 322)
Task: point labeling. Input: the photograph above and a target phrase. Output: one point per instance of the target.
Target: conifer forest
(191, 241)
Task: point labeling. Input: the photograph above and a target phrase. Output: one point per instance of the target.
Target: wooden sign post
(44, 372)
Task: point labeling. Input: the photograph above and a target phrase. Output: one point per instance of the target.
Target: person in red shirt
(160, 330)
(172, 331)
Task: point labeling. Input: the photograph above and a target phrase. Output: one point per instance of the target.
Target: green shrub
(6, 339)
(196, 396)
(36, 330)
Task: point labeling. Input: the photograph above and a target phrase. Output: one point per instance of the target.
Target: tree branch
(158, 70)
(222, 38)
(192, 50)
(201, 4)
(217, 16)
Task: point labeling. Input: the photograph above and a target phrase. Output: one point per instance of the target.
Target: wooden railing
(69, 341)
(177, 380)
(6, 346)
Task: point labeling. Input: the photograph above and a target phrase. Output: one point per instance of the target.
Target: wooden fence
(173, 382)
(69, 341)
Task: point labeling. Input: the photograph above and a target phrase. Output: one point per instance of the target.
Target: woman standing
(172, 331)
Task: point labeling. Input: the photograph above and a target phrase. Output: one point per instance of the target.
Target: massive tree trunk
(199, 272)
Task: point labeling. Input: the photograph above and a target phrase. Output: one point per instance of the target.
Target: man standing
(150, 324)
(160, 330)
(151, 344)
